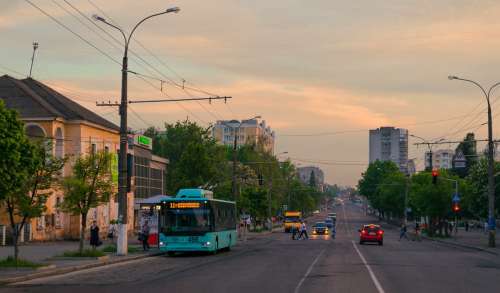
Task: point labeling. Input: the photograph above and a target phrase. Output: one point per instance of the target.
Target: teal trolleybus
(194, 221)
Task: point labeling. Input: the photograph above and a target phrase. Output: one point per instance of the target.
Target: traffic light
(435, 175)
(456, 207)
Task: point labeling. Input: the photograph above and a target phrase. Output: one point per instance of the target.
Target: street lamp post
(122, 242)
(491, 178)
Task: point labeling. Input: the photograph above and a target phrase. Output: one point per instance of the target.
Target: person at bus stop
(94, 235)
(145, 236)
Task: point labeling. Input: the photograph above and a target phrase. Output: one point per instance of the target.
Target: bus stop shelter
(148, 209)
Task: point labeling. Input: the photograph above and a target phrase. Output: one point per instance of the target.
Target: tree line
(263, 182)
(389, 191)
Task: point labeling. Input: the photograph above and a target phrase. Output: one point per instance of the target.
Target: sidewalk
(474, 239)
(50, 254)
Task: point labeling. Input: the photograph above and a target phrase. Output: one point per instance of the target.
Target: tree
(29, 201)
(392, 194)
(477, 199)
(27, 174)
(89, 186)
(195, 159)
(468, 148)
(433, 200)
(370, 181)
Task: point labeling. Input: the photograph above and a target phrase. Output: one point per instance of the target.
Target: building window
(94, 148)
(106, 149)
(141, 177)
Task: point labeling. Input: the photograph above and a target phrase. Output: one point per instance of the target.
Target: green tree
(370, 181)
(477, 199)
(391, 194)
(195, 158)
(88, 187)
(433, 200)
(32, 172)
(468, 148)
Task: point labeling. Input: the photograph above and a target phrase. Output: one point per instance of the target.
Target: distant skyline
(320, 73)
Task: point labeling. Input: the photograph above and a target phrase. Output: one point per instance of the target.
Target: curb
(461, 245)
(66, 270)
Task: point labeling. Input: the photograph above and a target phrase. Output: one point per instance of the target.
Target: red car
(371, 233)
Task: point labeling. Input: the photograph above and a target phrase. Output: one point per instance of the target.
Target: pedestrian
(94, 235)
(294, 232)
(485, 227)
(303, 231)
(417, 231)
(248, 223)
(466, 226)
(145, 236)
(403, 231)
(334, 231)
(111, 232)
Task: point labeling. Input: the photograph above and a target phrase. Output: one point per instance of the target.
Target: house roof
(33, 99)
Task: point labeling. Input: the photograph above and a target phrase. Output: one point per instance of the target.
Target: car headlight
(326, 231)
(162, 243)
(314, 231)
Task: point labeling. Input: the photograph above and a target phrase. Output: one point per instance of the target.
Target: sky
(321, 73)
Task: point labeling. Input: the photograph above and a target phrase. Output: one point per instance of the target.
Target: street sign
(455, 198)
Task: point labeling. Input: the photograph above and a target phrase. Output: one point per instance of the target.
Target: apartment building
(389, 144)
(246, 132)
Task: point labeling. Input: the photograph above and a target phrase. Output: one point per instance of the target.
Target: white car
(316, 212)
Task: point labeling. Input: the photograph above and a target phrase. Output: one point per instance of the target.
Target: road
(275, 263)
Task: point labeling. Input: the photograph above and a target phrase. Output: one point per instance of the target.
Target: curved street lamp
(491, 177)
(122, 241)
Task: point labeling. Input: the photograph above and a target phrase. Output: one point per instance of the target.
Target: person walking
(145, 236)
(303, 231)
(94, 235)
(417, 231)
(466, 226)
(403, 231)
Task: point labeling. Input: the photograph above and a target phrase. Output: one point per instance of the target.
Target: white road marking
(297, 289)
(372, 275)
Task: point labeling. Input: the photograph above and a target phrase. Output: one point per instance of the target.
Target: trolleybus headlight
(162, 243)
(206, 243)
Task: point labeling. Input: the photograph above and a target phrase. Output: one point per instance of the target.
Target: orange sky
(307, 67)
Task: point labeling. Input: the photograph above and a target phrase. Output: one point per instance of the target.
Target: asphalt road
(275, 263)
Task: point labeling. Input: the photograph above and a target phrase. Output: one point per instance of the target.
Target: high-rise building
(441, 159)
(247, 132)
(390, 144)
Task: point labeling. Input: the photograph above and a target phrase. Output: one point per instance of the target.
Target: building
(441, 159)
(389, 144)
(73, 131)
(247, 132)
(412, 167)
(459, 160)
(147, 172)
(304, 174)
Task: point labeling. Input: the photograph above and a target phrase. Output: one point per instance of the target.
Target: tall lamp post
(122, 242)
(491, 178)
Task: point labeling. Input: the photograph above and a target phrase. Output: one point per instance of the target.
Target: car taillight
(363, 231)
(380, 232)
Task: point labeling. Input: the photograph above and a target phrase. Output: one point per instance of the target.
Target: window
(94, 148)
(106, 149)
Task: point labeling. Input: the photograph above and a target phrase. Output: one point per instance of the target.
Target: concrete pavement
(275, 263)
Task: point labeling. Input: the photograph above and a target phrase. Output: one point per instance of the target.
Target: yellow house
(73, 130)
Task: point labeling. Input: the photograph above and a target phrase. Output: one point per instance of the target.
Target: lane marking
(297, 289)
(372, 275)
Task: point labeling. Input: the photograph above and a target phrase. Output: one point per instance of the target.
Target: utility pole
(491, 162)
(35, 47)
(122, 241)
(429, 145)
